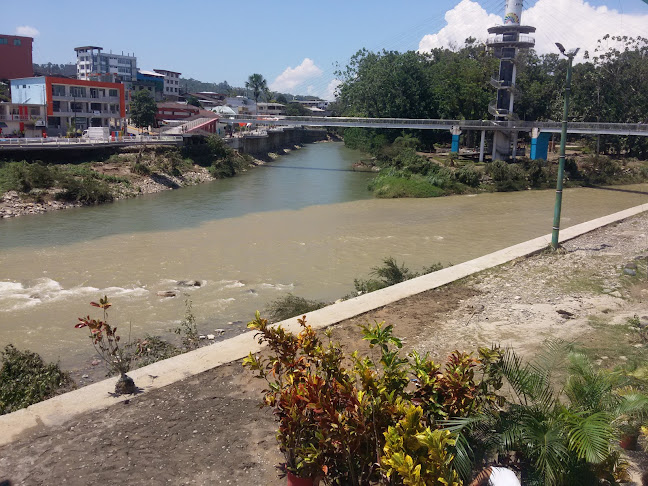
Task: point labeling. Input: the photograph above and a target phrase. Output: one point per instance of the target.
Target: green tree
(258, 84)
(143, 109)
(296, 109)
(193, 101)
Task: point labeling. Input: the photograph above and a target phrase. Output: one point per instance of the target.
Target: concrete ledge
(62, 408)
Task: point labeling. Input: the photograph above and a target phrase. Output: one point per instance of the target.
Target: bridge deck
(587, 128)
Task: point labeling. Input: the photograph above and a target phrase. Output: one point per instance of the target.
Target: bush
(390, 186)
(26, 379)
(152, 349)
(86, 190)
(468, 175)
(141, 169)
(291, 306)
(24, 176)
(506, 177)
(390, 273)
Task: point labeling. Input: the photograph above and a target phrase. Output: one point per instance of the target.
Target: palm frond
(590, 435)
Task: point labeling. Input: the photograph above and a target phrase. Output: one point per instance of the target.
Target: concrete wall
(276, 140)
(28, 91)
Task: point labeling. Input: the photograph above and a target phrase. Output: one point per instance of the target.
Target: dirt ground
(209, 430)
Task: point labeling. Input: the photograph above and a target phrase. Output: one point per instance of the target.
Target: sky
(296, 45)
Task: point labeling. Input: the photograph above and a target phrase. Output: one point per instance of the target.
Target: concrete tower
(506, 40)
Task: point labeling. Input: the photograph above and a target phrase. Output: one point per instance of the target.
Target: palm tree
(561, 434)
(258, 84)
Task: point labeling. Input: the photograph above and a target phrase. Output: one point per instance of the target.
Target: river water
(304, 224)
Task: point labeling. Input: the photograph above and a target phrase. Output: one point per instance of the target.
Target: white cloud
(574, 23)
(329, 94)
(293, 77)
(27, 31)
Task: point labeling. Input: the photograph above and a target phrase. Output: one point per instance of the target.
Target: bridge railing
(63, 141)
(439, 124)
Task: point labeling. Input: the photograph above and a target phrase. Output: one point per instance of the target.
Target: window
(56, 106)
(17, 42)
(3, 40)
(112, 92)
(77, 91)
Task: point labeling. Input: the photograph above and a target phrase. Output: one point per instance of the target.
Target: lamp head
(560, 47)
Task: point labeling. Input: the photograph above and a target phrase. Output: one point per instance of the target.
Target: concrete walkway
(98, 396)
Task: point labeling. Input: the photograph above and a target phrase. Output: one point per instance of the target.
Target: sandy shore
(208, 429)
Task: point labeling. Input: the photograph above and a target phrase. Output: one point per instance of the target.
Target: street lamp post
(563, 141)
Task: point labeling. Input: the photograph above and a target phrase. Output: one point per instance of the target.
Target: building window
(3, 40)
(17, 42)
(112, 92)
(77, 91)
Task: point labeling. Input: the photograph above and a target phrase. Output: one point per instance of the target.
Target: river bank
(182, 433)
(132, 173)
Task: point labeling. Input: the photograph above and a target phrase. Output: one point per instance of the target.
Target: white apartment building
(171, 82)
(95, 65)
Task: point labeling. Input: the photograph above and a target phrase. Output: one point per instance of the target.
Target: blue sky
(294, 44)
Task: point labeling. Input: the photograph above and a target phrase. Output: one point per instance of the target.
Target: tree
(192, 100)
(143, 109)
(258, 84)
(297, 109)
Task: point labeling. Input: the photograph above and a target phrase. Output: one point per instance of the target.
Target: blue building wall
(28, 91)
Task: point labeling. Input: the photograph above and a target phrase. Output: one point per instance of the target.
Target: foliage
(24, 176)
(87, 190)
(143, 109)
(561, 434)
(468, 176)
(106, 340)
(188, 329)
(258, 84)
(346, 424)
(26, 379)
(417, 454)
(392, 186)
(296, 109)
(390, 273)
(507, 177)
(152, 349)
(193, 101)
(290, 306)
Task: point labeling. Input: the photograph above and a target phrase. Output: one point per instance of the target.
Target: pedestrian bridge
(585, 128)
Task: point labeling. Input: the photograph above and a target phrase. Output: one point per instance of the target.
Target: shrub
(507, 177)
(140, 169)
(468, 175)
(390, 273)
(26, 379)
(391, 186)
(24, 176)
(86, 190)
(290, 306)
(152, 349)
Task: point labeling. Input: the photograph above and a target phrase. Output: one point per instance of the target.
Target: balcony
(502, 40)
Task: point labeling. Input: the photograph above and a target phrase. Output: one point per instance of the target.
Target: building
(150, 81)
(172, 110)
(270, 109)
(15, 56)
(72, 103)
(92, 64)
(22, 120)
(171, 83)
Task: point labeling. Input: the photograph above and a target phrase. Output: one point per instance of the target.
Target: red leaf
(94, 304)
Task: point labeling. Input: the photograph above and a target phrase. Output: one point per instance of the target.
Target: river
(304, 224)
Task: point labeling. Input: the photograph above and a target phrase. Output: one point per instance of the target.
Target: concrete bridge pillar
(539, 144)
(456, 133)
(482, 143)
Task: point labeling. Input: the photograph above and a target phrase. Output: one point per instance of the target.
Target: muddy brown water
(305, 225)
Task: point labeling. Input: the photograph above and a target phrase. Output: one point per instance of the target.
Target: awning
(3, 124)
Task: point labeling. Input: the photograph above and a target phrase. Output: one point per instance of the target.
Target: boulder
(189, 283)
(166, 293)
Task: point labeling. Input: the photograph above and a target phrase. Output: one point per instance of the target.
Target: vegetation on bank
(26, 379)
(455, 84)
(88, 182)
(385, 418)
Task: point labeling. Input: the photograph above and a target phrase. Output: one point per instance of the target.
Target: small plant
(188, 329)
(26, 379)
(390, 273)
(106, 342)
(290, 306)
(152, 349)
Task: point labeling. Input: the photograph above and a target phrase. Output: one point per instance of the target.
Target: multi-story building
(270, 109)
(27, 120)
(92, 64)
(15, 56)
(151, 82)
(73, 102)
(171, 83)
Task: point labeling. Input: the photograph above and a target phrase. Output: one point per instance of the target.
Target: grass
(386, 186)
(612, 340)
(291, 306)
